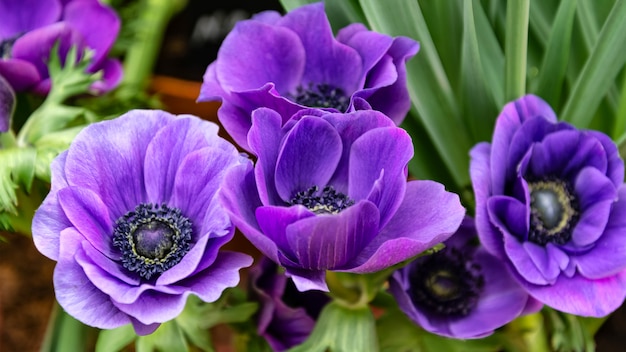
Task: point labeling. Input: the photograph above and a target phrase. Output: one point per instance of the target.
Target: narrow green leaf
(341, 329)
(340, 12)
(552, 73)
(619, 131)
(606, 60)
(515, 48)
(492, 56)
(115, 339)
(479, 108)
(17, 168)
(428, 84)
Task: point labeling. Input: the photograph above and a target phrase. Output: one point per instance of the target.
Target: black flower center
(446, 283)
(322, 96)
(6, 46)
(152, 239)
(553, 212)
(328, 201)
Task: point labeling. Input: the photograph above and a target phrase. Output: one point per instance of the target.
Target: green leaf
(606, 60)
(479, 107)
(567, 332)
(554, 67)
(428, 84)
(115, 339)
(492, 56)
(168, 337)
(17, 168)
(515, 48)
(341, 329)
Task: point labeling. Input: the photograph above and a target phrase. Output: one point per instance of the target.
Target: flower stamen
(553, 212)
(152, 239)
(328, 201)
(322, 96)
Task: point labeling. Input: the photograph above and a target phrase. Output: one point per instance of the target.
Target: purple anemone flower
(550, 200)
(329, 192)
(30, 28)
(133, 220)
(293, 62)
(461, 291)
(287, 316)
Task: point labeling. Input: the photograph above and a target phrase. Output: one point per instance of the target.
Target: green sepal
(342, 329)
(115, 339)
(569, 332)
(17, 169)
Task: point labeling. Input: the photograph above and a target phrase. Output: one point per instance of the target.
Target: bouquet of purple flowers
(400, 169)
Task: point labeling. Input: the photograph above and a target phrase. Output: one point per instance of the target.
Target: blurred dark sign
(194, 35)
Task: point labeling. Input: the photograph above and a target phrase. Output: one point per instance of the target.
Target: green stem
(141, 57)
(516, 45)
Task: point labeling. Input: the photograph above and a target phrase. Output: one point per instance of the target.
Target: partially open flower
(293, 62)
(286, 316)
(133, 220)
(551, 201)
(461, 291)
(329, 192)
(30, 28)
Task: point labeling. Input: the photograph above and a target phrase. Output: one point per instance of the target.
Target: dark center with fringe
(446, 283)
(328, 201)
(152, 239)
(321, 96)
(553, 212)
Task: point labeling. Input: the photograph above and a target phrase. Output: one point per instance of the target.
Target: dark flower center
(6, 46)
(553, 212)
(322, 96)
(446, 283)
(328, 201)
(152, 239)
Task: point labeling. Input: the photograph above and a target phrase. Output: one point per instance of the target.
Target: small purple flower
(30, 28)
(550, 200)
(461, 291)
(286, 316)
(133, 220)
(329, 192)
(293, 62)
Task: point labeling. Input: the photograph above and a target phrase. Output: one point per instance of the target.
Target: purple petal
(306, 280)
(7, 104)
(209, 284)
(273, 222)
(255, 53)
(507, 123)
(582, 296)
(379, 150)
(49, 220)
(310, 23)
(509, 215)
(21, 74)
(36, 46)
(96, 266)
(144, 329)
(544, 261)
(108, 158)
(77, 294)
(187, 265)
(350, 127)
(264, 139)
(595, 194)
(481, 183)
(608, 256)
(167, 149)
(391, 69)
(111, 76)
(501, 301)
(240, 198)
(24, 16)
(332, 241)
(308, 157)
(615, 169)
(89, 215)
(154, 307)
(98, 24)
(564, 153)
(198, 179)
(522, 262)
(428, 215)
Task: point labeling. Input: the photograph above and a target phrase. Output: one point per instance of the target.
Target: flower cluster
(141, 205)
